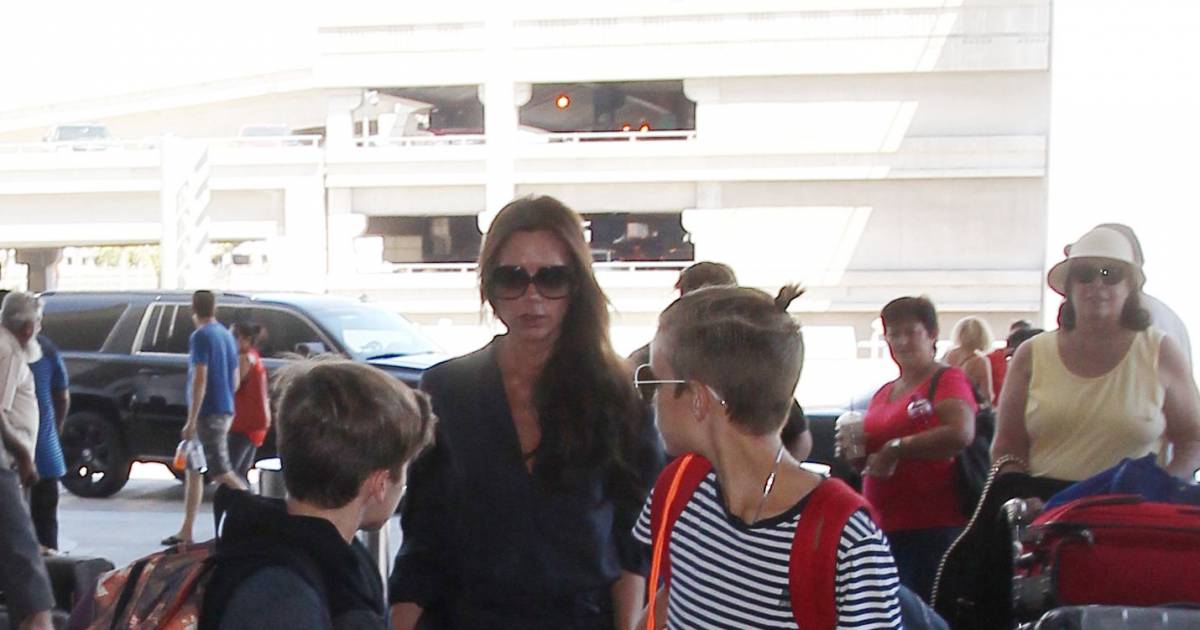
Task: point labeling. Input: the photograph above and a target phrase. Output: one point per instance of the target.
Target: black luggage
(74, 577)
(1116, 618)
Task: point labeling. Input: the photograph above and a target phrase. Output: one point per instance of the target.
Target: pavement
(129, 524)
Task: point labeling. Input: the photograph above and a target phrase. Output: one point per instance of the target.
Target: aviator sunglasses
(1085, 274)
(647, 382)
(510, 282)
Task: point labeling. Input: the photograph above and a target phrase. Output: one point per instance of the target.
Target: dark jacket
(484, 542)
(274, 569)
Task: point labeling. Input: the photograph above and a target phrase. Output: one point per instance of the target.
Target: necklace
(770, 483)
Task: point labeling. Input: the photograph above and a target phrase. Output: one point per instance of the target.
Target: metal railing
(611, 136)
(79, 146)
(422, 141)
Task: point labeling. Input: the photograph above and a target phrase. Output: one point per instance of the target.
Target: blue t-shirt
(49, 376)
(213, 345)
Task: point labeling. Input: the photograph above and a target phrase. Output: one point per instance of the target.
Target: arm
(628, 592)
(865, 577)
(62, 405)
(60, 391)
(199, 384)
(955, 431)
(26, 470)
(405, 615)
(660, 610)
(1181, 406)
(1012, 439)
(979, 372)
(243, 370)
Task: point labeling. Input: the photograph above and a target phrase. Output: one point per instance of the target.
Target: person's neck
(346, 518)
(743, 464)
(201, 322)
(522, 356)
(1095, 329)
(912, 375)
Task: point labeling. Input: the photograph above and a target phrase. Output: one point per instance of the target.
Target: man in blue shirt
(213, 375)
(53, 399)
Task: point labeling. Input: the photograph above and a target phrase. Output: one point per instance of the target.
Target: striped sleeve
(641, 529)
(866, 583)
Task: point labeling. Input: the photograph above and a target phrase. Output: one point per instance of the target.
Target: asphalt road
(131, 523)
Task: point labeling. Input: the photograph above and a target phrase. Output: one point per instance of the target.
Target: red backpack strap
(672, 492)
(813, 562)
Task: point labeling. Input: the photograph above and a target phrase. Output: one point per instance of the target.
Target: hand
(27, 471)
(40, 620)
(189, 430)
(883, 463)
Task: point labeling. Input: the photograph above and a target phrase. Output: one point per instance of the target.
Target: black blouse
(486, 545)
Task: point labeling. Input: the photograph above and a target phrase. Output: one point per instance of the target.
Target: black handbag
(972, 464)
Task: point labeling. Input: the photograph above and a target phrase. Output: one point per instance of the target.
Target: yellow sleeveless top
(1080, 426)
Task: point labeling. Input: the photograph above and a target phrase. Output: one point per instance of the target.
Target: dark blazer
(486, 545)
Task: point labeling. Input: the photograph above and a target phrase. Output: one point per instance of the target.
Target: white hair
(19, 310)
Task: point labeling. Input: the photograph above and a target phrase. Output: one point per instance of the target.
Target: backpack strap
(813, 563)
(933, 383)
(672, 492)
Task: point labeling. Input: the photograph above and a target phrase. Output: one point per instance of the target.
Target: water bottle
(196, 457)
(181, 456)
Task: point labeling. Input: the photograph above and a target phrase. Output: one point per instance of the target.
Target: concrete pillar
(298, 257)
(43, 267)
(339, 119)
(501, 96)
(345, 226)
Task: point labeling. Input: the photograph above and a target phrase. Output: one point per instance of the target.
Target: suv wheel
(97, 465)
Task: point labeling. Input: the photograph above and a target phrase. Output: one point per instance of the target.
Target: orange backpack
(163, 591)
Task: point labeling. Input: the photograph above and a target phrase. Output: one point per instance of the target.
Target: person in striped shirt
(723, 368)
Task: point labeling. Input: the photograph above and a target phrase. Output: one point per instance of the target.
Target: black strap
(135, 573)
(933, 382)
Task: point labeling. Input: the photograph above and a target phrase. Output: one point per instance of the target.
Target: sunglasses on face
(647, 384)
(511, 282)
(1086, 274)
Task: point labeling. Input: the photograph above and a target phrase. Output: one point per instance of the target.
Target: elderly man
(22, 574)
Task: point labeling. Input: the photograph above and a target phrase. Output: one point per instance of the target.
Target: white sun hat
(1100, 242)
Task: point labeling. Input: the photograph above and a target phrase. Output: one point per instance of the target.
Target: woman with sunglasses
(521, 514)
(1105, 385)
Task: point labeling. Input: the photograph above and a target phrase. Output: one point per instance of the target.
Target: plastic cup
(851, 443)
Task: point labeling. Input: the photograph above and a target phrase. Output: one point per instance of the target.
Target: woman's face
(910, 343)
(1099, 288)
(532, 316)
(243, 342)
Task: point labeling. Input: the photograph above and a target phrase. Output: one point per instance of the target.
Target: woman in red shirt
(251, 402)
(911, 443)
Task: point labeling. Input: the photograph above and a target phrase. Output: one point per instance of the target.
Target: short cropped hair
(911, 309)
(339, 421)
(705, 274)
(204, 303)
(19, 310)
(737, 341)
(972, 333)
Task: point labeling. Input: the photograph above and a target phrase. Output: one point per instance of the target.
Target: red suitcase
(1109, 549)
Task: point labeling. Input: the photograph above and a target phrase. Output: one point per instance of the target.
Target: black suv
(126, 354)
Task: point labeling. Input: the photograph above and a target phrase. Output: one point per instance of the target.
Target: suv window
(284, 332)
(83, 329)
(168, 329)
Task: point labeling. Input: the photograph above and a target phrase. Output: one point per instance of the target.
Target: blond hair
(972, 333)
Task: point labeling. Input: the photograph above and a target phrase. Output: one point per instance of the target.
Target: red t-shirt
(921, 493)
(250, 402)
(999, 368)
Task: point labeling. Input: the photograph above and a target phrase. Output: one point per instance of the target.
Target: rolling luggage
(73, 578)
(1113, 550)
(1116, 617)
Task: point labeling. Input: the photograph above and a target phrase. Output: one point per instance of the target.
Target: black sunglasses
(1085, 274)
(510, 282)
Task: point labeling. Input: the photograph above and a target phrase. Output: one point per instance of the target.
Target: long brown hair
(587, 408)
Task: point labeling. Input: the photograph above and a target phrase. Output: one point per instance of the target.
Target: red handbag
(1106, 549)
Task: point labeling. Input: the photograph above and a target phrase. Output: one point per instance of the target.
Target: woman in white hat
(1105, 385)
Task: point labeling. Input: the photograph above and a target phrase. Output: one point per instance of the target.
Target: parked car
(80, 137)
(126, 354)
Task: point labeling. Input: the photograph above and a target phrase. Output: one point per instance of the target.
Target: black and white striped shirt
(726, 574)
